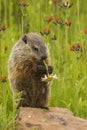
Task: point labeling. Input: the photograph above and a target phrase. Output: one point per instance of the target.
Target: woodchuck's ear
(24, 38)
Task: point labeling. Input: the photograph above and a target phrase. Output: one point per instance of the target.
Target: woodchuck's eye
(35, 48)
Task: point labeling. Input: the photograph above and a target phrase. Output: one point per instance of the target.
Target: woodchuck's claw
(45, 108)
(50, 69)
(42, 69)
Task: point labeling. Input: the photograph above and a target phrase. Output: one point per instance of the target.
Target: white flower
(49, 78)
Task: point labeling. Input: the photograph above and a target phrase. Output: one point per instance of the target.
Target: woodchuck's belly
(36, 94)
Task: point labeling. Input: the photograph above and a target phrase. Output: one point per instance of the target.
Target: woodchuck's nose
(43, 57)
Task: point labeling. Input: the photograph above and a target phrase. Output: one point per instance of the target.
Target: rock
(52, 119)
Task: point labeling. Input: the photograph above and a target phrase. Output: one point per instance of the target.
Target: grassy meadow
(63, 25)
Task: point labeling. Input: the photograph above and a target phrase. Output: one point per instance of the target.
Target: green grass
(70, 90)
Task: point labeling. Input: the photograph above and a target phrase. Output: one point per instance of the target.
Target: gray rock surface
(52, 119)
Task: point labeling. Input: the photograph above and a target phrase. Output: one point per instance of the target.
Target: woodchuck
(26, 68)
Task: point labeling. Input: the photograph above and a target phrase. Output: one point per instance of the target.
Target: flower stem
(46, 67)
(22, 22)
(78, 7)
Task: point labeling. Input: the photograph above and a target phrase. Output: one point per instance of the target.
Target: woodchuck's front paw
(42, 69)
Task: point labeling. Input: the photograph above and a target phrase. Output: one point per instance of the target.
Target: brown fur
(23, 73)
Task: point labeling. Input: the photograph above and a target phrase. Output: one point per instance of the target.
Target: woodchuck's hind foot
(45, 108)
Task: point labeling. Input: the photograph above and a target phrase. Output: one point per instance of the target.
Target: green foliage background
(70, 90)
